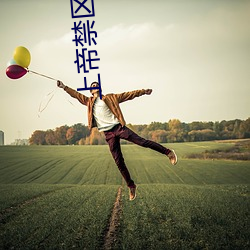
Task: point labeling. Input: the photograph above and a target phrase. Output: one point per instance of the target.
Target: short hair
(93, 83)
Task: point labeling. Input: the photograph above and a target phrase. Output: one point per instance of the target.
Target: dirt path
(111, 235)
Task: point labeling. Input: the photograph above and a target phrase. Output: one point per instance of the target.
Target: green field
(62, 197)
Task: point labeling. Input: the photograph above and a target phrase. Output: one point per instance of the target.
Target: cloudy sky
(194, 54)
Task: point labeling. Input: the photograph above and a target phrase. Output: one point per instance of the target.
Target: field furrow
(112, 234)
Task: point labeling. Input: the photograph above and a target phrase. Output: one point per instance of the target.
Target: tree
(202, 135)
(38, 138)
(236, 128)
(217, 129)
(50, 137)
(81, 131)
(82, 142)
(245, 129)
(70, 136)
(96, 137)
(159, 135)
(175, 133)
(185, 130)
(157, 125)
(76, 133)
(196, 126)
(60, 134)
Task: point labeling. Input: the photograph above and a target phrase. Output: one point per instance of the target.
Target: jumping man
(106, 115)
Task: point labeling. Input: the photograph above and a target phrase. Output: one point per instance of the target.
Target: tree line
(172, 131)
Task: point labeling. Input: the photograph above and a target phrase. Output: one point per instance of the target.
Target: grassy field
(62, 197)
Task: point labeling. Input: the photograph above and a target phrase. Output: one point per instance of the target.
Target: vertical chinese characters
(85, 37)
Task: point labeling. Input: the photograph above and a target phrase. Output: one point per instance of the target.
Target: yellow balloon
(22, 56)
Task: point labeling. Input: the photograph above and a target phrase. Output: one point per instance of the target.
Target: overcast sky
(195, 55)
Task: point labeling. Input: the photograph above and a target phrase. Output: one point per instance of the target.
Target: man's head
(93, 85)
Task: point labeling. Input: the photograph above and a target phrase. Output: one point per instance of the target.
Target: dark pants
(113, 137)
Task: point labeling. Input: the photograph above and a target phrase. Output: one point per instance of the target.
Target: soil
(112, 231)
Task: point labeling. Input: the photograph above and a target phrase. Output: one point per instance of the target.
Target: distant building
(1, 138)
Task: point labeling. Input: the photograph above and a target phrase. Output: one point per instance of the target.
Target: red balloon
(15, 71)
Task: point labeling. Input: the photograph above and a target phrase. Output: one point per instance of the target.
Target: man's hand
(148, 91)
(60, 84)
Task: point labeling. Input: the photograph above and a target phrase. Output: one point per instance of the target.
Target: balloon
(11, 62)
(15, 71)
(22, 56)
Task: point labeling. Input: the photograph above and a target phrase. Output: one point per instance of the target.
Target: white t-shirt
(105, 119)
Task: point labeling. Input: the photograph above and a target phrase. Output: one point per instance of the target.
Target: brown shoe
(132, 193)
(172, 157)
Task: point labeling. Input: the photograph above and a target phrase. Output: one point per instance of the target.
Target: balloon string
(50, 96)
(71, 103)
(31, 71)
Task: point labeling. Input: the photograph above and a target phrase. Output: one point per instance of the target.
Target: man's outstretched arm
(80, 97)
(132, 94)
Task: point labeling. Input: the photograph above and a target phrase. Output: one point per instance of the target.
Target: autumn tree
(159, 135)
(77, 133)
(95, 137)
(58, 136)
(38, 138)
(175, 133)
(50, 137)
(172, 131)
(70, 136)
